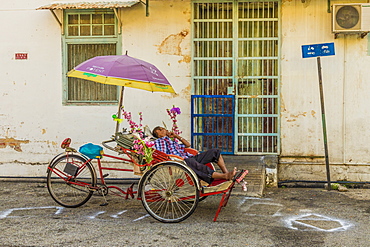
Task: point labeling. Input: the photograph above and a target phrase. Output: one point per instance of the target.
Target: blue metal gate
(212, 122)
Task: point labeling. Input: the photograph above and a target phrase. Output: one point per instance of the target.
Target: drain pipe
(281, 183)
(40, 179)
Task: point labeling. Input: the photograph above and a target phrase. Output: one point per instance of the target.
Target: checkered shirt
(168, 146)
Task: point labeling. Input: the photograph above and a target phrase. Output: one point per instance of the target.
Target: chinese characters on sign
(318, 50)
(21, 56)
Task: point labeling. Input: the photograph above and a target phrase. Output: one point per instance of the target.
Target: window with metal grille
(236, 51)
(91, 24)
(89, 34)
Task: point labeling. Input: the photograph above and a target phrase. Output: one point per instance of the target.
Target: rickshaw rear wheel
(70, 179)
(169, 192)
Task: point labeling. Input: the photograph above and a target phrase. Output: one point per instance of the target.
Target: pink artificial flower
(149, 144)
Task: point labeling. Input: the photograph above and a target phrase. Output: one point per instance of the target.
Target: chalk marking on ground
(95, 215)
(253, 198)
(118, 214)
(6, 213)
(141, 217)
(277, 213)
(316, 217)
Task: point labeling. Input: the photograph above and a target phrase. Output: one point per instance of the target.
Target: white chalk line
(118, 214)
(6, 213)
(140, 218)
(307, 216)
(95, 215)
(316, 217)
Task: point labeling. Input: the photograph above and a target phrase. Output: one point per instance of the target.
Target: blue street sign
(318, 50)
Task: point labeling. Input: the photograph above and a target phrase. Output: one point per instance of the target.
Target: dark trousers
(197, 163)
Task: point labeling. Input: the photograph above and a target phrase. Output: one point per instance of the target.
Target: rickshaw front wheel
(169, 192)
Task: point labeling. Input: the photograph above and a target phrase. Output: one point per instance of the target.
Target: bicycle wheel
(169, 193)
(70, 179)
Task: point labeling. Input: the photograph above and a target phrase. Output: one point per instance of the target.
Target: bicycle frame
(100, 167)
(162, 163)
(62, 174)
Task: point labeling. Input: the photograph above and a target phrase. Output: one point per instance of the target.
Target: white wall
(346, 86)
(33, 117)
(31, 112)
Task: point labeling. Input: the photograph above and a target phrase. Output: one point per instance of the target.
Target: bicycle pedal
(105, 175)
(104, 204)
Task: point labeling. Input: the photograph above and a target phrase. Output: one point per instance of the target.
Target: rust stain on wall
(186, 59)
(294, 117)
(185, 93)
(13, 143)
(171, 45)
(298, 115)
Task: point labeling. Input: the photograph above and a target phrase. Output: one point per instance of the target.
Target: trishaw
(168, 188)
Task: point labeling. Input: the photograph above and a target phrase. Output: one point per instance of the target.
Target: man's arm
(182, 140)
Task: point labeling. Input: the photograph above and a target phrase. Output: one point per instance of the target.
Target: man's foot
(230, 175)
(226, 176)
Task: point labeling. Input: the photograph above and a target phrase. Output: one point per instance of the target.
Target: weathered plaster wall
(346, 87)
(33, 119)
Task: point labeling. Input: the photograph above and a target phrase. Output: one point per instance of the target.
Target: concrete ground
(283, 217)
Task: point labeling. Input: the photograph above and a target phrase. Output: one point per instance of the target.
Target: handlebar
(104, 143)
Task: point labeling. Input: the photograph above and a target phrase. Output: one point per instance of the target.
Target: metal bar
(119, 108)
(56, 17)
(323, 122)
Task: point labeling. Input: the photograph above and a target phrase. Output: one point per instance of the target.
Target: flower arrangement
(173, 113)
(142, 144)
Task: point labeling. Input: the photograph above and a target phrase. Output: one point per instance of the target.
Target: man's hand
(170, 134)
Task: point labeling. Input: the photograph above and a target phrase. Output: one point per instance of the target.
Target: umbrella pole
(119, 108)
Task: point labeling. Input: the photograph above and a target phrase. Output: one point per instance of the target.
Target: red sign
(21, 56)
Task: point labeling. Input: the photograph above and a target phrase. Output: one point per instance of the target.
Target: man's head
(159, 132)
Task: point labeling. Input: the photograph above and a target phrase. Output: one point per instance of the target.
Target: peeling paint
(186, 59)
(13, 143)
(291, 120)
(171, 45)
(185, 93)
(298, 115)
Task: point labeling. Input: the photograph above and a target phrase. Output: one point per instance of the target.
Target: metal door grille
(236, 51)
(213, 122)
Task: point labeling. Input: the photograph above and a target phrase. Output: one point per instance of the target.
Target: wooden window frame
(67, 40)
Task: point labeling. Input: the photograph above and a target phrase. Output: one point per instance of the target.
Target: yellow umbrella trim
(148, 86)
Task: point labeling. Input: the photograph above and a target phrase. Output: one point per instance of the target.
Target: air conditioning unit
(354, 17)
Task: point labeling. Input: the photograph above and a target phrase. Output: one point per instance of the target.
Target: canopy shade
(90, 4)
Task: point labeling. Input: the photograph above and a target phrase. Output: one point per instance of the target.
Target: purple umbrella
(125, 71)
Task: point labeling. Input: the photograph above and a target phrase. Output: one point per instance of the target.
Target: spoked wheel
(169, 193)
(70, 179)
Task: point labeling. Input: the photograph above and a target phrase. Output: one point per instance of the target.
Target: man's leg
(221, 164)
(203, 172)
(207, 174)
(212, 155)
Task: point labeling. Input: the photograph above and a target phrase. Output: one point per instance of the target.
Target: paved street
(284, 217)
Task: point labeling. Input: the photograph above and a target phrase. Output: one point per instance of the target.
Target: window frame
(66, 40)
